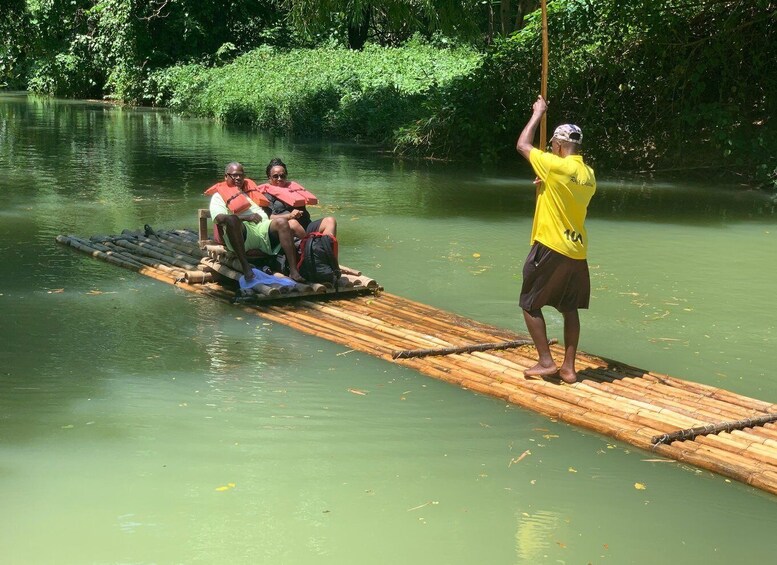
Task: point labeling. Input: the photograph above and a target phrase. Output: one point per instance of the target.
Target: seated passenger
(297, 215)
(236, 207)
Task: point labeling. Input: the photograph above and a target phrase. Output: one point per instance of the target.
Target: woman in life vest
(294, 207)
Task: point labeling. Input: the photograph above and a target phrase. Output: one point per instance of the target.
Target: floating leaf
(517, 459)
(225, 487)
(572, 470)
(357, 391)
(476, 255)
(56, 291)
(639, 486)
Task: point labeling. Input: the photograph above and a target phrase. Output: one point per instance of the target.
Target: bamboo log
(691, 433)
(156, 255)
(319, 322)
(191, 248)
(261, 289)
(664, 401)
(349, 271)
(175, 272)
(657, 389)
(198, 277)
(372, 323)
(160, 246)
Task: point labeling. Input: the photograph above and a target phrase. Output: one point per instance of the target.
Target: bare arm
(292, 215)
(255, 218)
(524, 144)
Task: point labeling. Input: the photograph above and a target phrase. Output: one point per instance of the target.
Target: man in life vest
(236, 208)
(556, 270)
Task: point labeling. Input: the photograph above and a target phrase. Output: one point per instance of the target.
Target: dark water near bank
(140, 424)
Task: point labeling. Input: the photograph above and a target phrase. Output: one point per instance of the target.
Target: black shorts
(553, 279)
(313, 226)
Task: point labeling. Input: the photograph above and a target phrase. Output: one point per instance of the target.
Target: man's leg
(535, 323)
(329, 226)
(296, 229)
(280, 227)
(236, 234)
(571, 338)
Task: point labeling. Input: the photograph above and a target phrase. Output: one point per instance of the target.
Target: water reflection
(125, 404)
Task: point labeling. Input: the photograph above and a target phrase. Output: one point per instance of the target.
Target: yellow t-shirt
(559, 216)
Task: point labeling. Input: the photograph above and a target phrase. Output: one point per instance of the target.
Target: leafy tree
(13, 42)
(388, 22)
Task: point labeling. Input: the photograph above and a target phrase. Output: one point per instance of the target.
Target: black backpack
(318, 259)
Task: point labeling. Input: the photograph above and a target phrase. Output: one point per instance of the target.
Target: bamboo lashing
(407, 353)
(691, 433)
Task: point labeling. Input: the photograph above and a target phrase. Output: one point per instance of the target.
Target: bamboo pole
(405, 353)
(658, 399)
(161, 247)
(544, 79)
(691, 433)
(156, 255)
(657, 389)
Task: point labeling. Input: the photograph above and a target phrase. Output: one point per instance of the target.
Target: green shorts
(257, 236)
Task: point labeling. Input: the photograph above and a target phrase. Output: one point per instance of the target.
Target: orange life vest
(292, 194)
(237, 201)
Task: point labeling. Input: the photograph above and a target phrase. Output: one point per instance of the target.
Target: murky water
(141, 424)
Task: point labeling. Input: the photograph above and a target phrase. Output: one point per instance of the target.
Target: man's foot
(249, 275)
(540, 370)
(296, 277)
(569, 376)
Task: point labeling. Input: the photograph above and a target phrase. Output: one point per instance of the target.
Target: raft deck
(711, 428)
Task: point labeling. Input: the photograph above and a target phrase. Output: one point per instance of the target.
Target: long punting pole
(544, 82)
(691, 433)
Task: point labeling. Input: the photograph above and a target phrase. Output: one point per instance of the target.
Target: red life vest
(236, 201)
(292, 194)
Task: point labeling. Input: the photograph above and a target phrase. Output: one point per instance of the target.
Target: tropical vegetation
(658, 85)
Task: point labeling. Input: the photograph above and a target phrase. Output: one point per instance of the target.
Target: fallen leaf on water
(225, 487)
(476, 255)
(639, 486)
(572, 470)
(422, 505)
(357, 391)
(562, 545)
(659, 460)
(56, 291)
(550, 436)
(94, 292)
(517, 459)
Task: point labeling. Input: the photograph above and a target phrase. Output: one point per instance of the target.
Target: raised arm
(525, 141)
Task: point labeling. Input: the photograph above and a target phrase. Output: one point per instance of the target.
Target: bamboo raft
(705, 426)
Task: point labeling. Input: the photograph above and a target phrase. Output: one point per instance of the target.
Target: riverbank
(461, 104)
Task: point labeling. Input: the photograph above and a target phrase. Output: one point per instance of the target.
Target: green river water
(142, 424)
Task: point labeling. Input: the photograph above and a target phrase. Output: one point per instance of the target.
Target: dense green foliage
(656, 84)
(366, 94)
